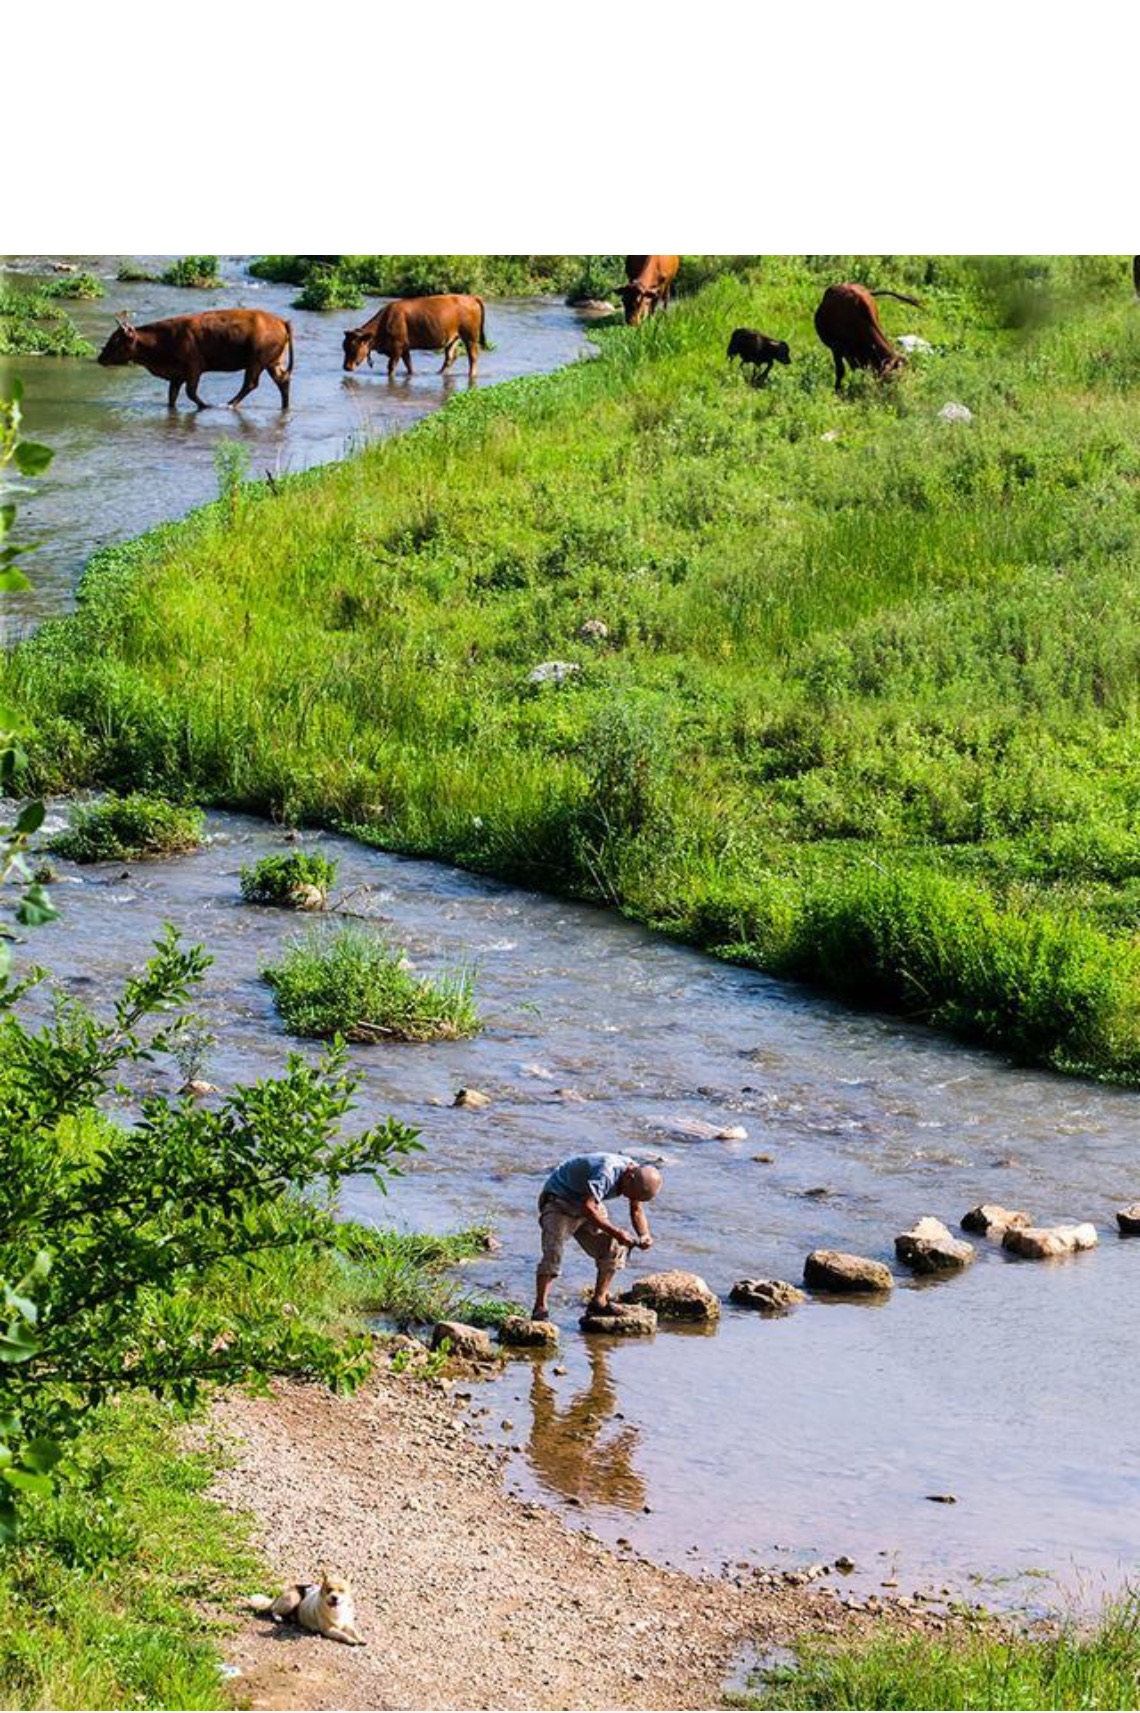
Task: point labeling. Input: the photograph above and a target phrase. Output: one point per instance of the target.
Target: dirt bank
(469, 1598)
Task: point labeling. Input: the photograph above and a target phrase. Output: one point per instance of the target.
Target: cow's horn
(122, 316)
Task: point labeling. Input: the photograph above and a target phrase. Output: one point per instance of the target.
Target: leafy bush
(328, 288)
(599, 278)
(130, 273)
(200, 272)
(355, 984)
(122, 828)
(83, 286)
(286, 879)
(32, 324)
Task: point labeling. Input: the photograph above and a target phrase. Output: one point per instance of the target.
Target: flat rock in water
(468, 1341)
(472, 1097)
(523, 1333)
(991, 1219)
(631, 1323)
(929, 1248)
(1043, 1242)
(832, 1270)
(1128, 1219)
(674, 1295)
(770, 1296)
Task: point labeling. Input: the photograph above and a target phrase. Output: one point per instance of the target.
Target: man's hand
(626, 1238)
(645, 1242)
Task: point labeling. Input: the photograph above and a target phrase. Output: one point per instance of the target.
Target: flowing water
(124, 463)
(773, 1441)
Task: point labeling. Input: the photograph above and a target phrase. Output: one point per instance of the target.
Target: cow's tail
(902, 297)
(484, 343)
(289, 334)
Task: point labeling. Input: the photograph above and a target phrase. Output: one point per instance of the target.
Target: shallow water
(779, 1441)
(124, 462)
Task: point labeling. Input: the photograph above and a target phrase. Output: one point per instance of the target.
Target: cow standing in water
(847, 322)
(649, 280)
(186, 347)
(438, 323)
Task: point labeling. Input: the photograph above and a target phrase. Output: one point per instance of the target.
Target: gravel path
(469, 1598)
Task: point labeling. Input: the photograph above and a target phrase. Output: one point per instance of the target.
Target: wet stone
(522, 1333)
(832, 1270)
(1128, 1220)
(1044, 1243)
(467, 1341)
(928, 1247)
(991, 1219)
(674, 1295)
(770, 1296)
(472, 1097)
(632, 1323)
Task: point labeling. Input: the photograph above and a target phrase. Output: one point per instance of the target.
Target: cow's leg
(471, 346)
(252, 376)
(449, 351)
(393, 359)
(280, 374)
(838, 370)
(172, 393)
(192, 389)
(408, 359)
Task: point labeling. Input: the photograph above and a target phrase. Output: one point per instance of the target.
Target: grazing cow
(847, 321)
(186, 347)
(754, 347)
(649, 280)
(408, 324)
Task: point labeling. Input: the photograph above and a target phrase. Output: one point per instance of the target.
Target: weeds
(289, 880)
(353, 983)
(199, 272)
(118, 829)
(32, 324)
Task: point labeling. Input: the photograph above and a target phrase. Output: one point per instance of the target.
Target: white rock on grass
(553, 672)
(1043, 1243)
(929, 1248)
(954, 412)
(913, 345)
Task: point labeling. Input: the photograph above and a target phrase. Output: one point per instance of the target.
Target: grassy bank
(865, 703)
(336, 281)
(1095, 1667)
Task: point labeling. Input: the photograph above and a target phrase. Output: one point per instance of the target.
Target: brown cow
(438, 323)
(847, 321)
(186, 347)
(649, 280)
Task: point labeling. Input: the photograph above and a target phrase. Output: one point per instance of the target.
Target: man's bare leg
(600, 1301)
(542, 1284)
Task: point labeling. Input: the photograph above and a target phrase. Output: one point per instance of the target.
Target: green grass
(413, 276)
(1098, 1666)
(127, 828)
(131, 273)
(82, 286)
(352, 982)
(277, 879)
(194, 271)
(329, 288)
(866, 711)
(404, 1277)
(32, 324)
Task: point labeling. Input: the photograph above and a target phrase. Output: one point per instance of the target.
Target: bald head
(641, 1183)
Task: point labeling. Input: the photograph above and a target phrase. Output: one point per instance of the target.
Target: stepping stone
(832, 1270)
(467, 1341)
(1043, 1243)
(631, 1323)
(770, 1296)
(990, 1219)
(674, 1295)
(929, 1248)
(1128, 1219)
(517, 1330)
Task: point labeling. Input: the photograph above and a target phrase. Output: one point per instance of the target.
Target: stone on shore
(470, 1342)
(523, 1333)
(472, 1097)
(631, 1323)
(990, 1219)
(1043, 1243)
(770, 1296)
(1128, 1219)
(674, 1295)
(832, 1270)
(929, 1248)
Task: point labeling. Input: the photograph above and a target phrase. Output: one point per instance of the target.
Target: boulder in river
(770, 1296)
(472, 1097)
(929, 1248)
(631, 1322)
(470, 1342)
(526, 1334)
(674, 1295)
(832, 1270)
(991, 1219)
(1042, 1243)
(1128, 1219)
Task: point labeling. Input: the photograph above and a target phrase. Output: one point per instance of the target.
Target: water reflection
(570, 1450)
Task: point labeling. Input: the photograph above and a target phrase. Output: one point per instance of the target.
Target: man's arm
(640, 1224)
(596, 1214)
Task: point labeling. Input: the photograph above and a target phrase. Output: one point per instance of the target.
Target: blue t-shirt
(593, 1176)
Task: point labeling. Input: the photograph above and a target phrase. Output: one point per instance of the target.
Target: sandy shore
(469, 1598)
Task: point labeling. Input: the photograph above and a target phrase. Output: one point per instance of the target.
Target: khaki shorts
(560, 1220)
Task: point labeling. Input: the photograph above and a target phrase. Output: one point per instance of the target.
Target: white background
(492, 126)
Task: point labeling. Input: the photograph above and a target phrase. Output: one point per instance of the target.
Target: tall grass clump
(82, 286)
(133, 273)
(329, 288)
(200, 272)
(290, 880)
(118, 829)
(354, 983)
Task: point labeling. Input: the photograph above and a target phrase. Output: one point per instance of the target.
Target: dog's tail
(259, 1602)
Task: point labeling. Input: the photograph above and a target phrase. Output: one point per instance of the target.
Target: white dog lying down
(325, 1607)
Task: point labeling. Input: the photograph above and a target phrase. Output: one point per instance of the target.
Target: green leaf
(32, 459)
(7, 1521)
(41, 1455)
(36, 908)
(18, 1344)
(31, 818)
(12, 581)
(7, 518)
(24, 1481)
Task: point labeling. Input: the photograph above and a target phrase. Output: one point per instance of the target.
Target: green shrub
(130, 273)
(353, 983)
(33, 324)
(288, 880)
(82, 286)
(328, 288)
(118, 828)
(200, 272)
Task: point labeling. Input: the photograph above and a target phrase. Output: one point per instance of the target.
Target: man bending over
(572, 1204)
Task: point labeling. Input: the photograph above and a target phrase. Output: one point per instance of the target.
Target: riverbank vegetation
(1094, 1666)
(862, 703)
(121, 829)
(351, 982)
(288, 879)
(200, 272)
(415, 276)
(33, 324)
